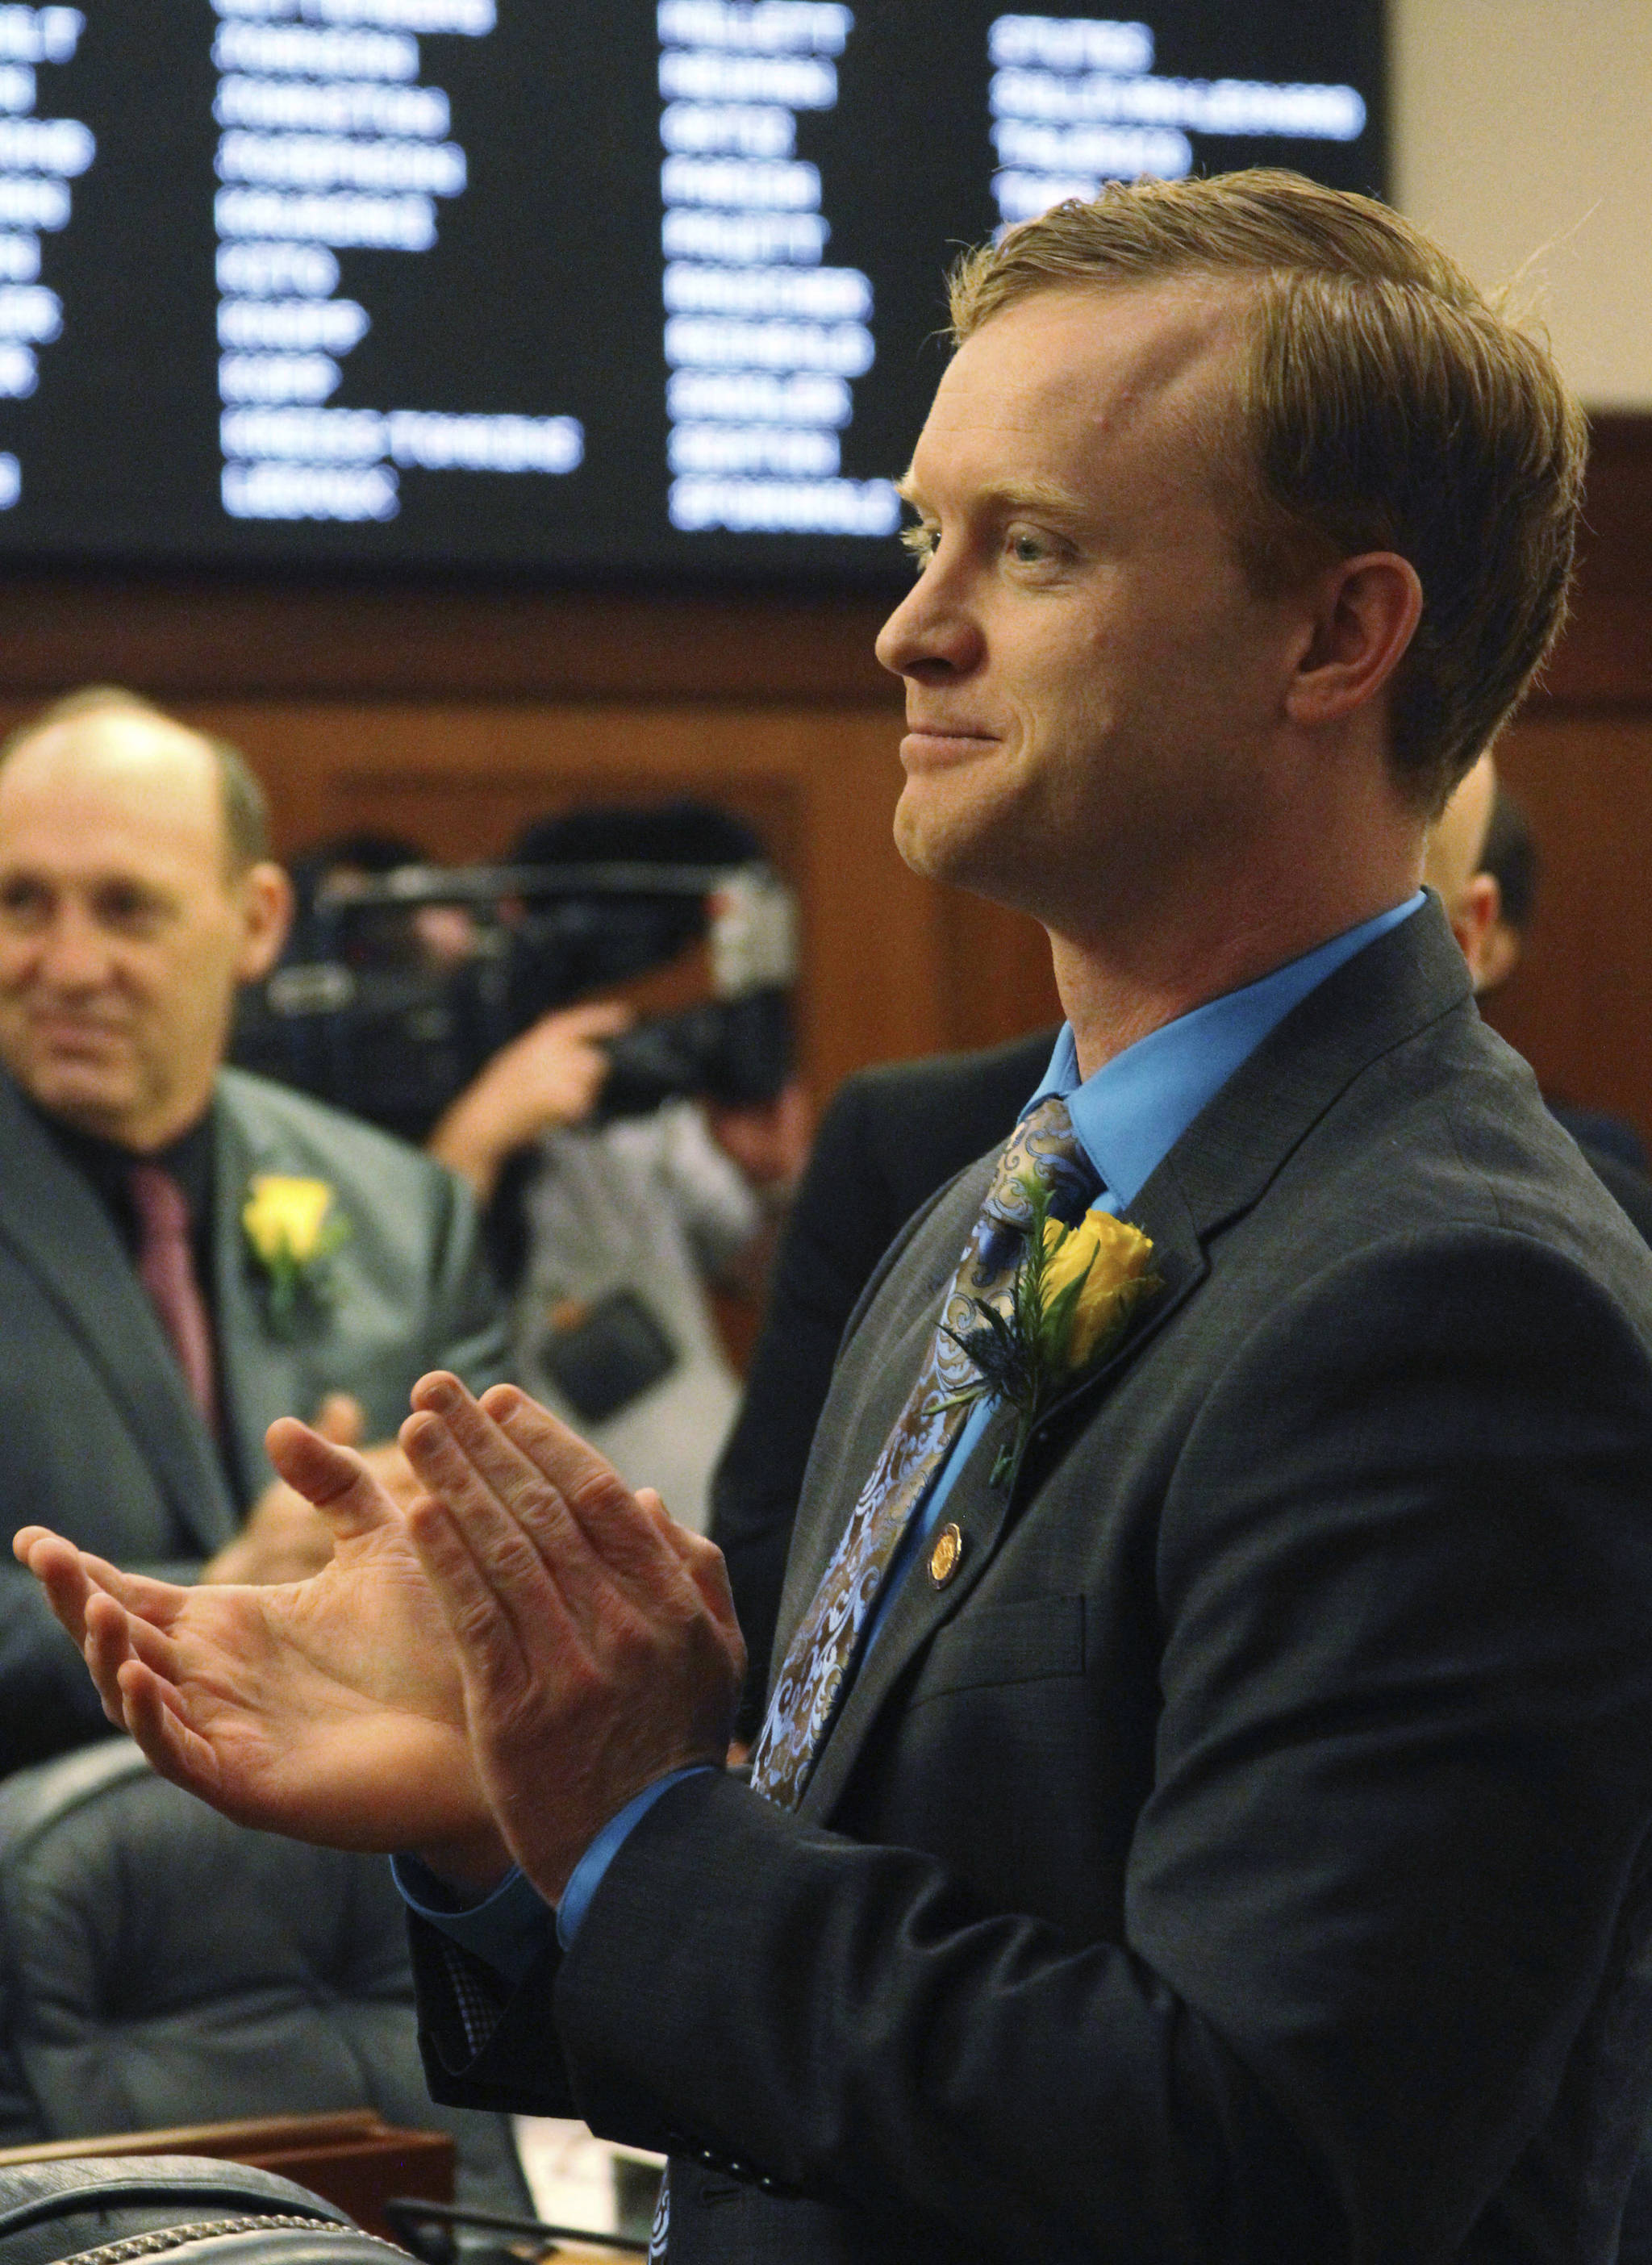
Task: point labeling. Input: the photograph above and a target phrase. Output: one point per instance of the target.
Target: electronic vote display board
(561, 288)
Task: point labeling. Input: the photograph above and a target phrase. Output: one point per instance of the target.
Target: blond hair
(1383, 404)
(246, 811)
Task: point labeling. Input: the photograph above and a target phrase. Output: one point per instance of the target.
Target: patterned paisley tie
(819, 1665)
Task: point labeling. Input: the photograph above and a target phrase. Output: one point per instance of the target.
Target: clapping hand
(492, 1672)
(329, 1709)
(596, 1639)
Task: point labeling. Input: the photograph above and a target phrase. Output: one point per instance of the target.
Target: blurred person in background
(611, 1231)
(1482, 862)
(186, 1252)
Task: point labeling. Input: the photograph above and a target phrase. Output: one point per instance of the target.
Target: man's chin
(81, 1095)
(964, 848)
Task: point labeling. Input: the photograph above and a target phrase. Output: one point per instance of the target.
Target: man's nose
(73, 951)
(932, 631)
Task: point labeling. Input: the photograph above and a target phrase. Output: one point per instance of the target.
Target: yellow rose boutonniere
(291, 1232)
(1074, 1295)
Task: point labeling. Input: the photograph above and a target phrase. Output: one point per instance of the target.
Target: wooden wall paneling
(176, 638)
(820, 784)
(1579, 1007)
(998, 977)
(1605, 659)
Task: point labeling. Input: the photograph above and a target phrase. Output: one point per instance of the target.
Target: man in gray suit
(1205, 1807)
(147, 1335)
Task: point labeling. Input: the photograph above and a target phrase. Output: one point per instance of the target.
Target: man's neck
(1115, 989)
(107, 1163)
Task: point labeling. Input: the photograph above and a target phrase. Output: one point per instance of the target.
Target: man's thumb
(329, 1476)
(341, 1418)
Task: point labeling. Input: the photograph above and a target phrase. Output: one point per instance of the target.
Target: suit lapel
(982, 1513)
(65, 1238)
(265, 1377)
(919, 1607)
(1220, 1166)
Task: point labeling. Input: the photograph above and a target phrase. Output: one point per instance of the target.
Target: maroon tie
(166, 1268)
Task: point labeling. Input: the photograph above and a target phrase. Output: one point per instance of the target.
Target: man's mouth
(76, 1034)
(933, 743)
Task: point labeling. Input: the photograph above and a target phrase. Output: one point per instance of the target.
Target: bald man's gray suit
(98, 1436)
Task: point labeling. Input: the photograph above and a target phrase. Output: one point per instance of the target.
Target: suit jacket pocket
(1027, 1642)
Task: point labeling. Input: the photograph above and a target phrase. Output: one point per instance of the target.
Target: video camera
(380, 1011)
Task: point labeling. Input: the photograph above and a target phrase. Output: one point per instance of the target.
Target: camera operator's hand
(551, 1075)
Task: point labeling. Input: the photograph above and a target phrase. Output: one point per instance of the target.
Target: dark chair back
(161, 1966)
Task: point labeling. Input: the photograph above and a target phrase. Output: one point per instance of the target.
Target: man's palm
(331, 1709)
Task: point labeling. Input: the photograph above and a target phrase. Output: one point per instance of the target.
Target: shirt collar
(1133, 1111)
(190, 1160)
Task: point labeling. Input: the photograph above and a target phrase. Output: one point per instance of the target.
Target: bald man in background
(145, 1342)
(1455, 868)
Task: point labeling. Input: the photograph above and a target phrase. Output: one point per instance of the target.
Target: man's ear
(266, 904)
(1478, 909)
(1365, 612)
(1499, 955)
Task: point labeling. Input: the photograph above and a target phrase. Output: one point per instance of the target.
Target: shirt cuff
(507, 1930)
(587, 1875)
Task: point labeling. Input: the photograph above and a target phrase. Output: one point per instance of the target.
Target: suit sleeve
(1392, 1858)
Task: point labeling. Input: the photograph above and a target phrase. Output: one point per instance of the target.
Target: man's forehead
(1089, 360)
(90, 783)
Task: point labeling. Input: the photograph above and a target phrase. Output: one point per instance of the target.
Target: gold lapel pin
(946, 1556)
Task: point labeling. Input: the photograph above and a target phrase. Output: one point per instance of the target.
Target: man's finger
(492, 1653)
(461, 1456)
(571, 1501)
(632, 1534)
(113, 1635)
(56, 1565)
(478, 1435)
(704, 1564)
(151, 1719)
(334, 1478)
(524, 1546)
(107, 1652)
(343, 1419)
(572, 1464)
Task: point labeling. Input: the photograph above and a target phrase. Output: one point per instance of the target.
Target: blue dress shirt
(1128, 1117)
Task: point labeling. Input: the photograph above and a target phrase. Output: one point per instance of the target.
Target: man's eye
(1027, 548)
(130, 910)
(921, 542)
(21, 901)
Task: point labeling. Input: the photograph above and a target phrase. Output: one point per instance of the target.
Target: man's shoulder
(1449, 1133)
(275, 1119)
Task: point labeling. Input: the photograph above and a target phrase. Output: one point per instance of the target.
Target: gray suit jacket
(98, 1434)
(1247, 1857)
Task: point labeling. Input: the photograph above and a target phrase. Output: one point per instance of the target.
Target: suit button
(946, 1556)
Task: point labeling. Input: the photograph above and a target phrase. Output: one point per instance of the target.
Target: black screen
(568, 287)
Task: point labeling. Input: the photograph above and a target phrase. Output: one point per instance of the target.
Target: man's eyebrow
(1002, 497)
